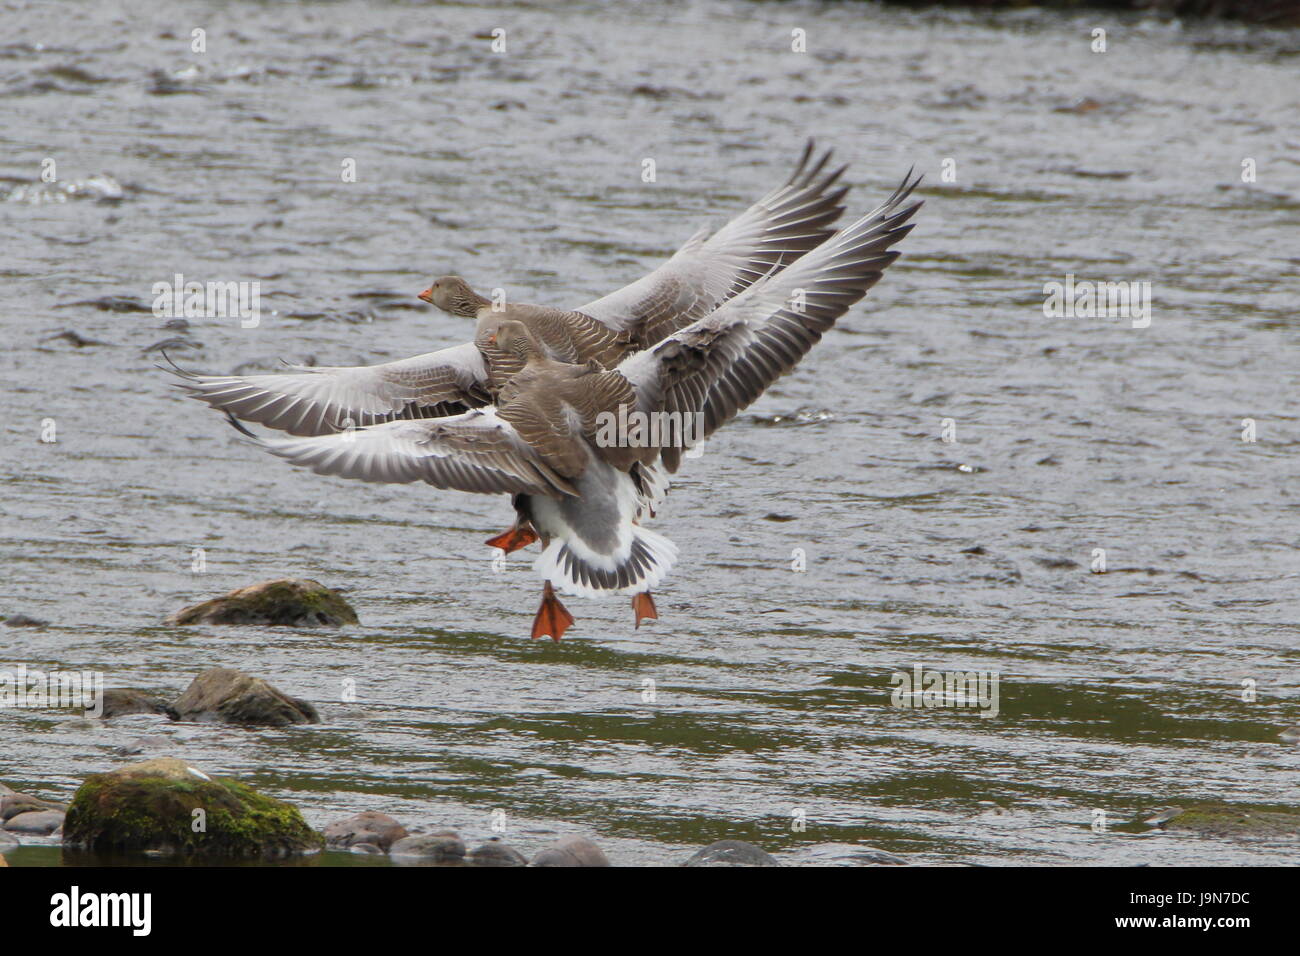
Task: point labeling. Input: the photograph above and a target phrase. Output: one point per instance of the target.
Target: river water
(771, 717)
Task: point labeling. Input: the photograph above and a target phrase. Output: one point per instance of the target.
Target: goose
(583, 490)
(709, 269)
(786, 223)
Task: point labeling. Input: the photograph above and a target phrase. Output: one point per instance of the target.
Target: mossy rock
(149, 807)
(1226, 820)
(285, 602)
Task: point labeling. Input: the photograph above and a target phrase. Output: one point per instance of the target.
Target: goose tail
(573, 568)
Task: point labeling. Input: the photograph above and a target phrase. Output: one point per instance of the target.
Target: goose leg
(644, 606)
(520, 536)
(553, 619)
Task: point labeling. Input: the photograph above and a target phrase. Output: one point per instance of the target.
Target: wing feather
(786, 223)
(320, 401)
(720, 364)
(476, 451)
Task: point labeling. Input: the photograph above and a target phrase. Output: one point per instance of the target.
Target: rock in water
(442, 846)
(378, 829)
(731, 853)
(1227, 821)
(12, 804)
(22, 620)
(152, 807)
(35, 823)
(286, 602)
(226, 695)
(571, 851)
(129, 700)
(496, 853)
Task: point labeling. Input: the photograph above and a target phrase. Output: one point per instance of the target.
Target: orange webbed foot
(513, 540)
(553, 618)
(644, 606)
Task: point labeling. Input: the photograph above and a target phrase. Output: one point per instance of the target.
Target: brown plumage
(563, 336)
(556, 406)
(703, 274)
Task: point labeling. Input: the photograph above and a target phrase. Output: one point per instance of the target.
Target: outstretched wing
(775, 231)
(722, 363)
(320, 401)
(476, 451)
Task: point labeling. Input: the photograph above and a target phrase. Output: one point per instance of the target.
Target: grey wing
(320, 401)
(786, 223)
(476, 451)
(719, 365)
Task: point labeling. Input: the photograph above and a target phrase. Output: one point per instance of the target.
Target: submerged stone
(731, 853)
(129, 700)
(226, 695)
(443, 846)
(496, 853)
(154, 807)
(22, 620)
(285, 602)
(1225, 820)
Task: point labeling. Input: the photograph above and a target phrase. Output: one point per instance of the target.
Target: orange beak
(426, 295)
(492, 340)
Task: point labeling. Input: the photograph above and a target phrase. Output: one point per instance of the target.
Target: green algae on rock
(226, 695)
(1228, 821)
(155, 807)
(284, 602)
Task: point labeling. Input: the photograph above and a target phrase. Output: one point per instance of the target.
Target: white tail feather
(648, 561)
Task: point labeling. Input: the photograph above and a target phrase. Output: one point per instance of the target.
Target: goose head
(453, 295)
(515, 339)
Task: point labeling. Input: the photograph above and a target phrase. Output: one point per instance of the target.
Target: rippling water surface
(1118, 691)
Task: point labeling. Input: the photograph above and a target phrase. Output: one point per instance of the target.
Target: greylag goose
(544, 441)
(790, 220)
(565, 336)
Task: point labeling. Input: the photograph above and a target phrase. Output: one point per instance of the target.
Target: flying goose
(790, 220)
(543, 442)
